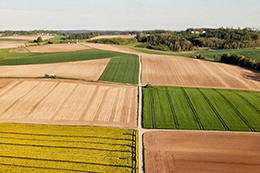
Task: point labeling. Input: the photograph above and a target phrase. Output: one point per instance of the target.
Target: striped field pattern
(53, 149)
(68, 103)
(201, 109)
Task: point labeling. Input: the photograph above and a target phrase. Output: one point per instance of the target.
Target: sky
(127, 14)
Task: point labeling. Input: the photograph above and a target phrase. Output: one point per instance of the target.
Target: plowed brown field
(112, 36)
(87, 70)
(11, 44)
(202, 152)
(180, 71)
(116, 48)
(57, 48)
(68, 103)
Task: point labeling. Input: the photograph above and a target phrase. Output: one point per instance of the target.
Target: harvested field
(57, 48)
(68, 103)
(116, 48)
(202, 152)
(58, 149)
(201, 109)
(11, 44)
(113, 36)
(179, 71)
(27, 37)
(87, 70)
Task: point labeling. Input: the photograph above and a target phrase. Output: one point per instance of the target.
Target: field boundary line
(195, 114)
(237, 111)
(214, 110)
(140, 120)
(175, 118)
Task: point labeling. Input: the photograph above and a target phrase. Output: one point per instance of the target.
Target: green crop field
(122, 68)
(201, 109)
(253, 53)
(52, 149)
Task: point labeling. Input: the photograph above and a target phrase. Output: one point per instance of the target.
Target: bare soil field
(87, 70)
(113, 36)
(27, 37)
(57, 48)
(116, 48)
(11, 44)
(202, 152)
(68, 103)
(179, 71)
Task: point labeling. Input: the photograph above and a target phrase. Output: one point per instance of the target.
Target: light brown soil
(57, 48)
(116, 48)
(28, 37)
(202, 152)
(113, 36)
(11, 44)
(87, 70)
(180, 71)
(68, 103)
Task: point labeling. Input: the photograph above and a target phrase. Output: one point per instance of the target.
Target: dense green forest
(199, 38)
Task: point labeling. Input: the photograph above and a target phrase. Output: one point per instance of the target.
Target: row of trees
(81, 36)
(194, 38)
(34, 32)
(240, 60)
(118, 41)
(165, 41)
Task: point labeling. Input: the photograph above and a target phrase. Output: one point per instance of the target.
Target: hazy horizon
(127, 15)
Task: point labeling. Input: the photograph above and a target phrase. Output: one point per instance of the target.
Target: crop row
(202, 109)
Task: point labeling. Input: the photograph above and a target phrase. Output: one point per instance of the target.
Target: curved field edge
(253, 53)
(123, 68)
(201, 109)
(48, 148)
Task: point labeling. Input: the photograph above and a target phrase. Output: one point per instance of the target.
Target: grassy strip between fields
(122, 68)
(201, 109)
(45, 148)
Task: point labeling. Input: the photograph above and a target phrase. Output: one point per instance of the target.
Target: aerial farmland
(180, 100)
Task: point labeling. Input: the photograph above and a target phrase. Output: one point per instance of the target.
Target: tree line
(240, 60)
(81, 36)
(221, 38)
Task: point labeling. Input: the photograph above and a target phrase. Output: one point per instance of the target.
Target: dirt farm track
(202, 152)
(68, 103)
